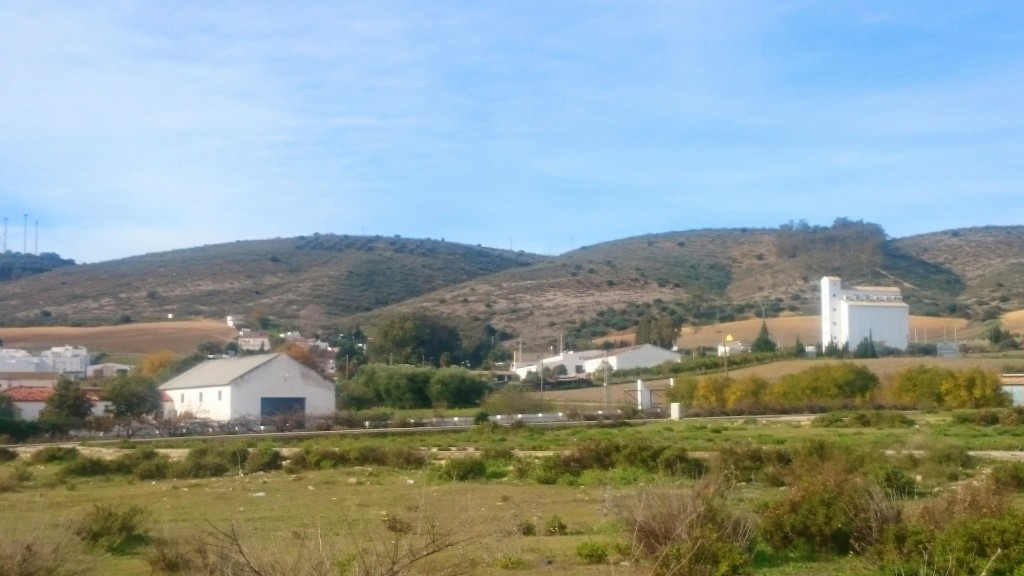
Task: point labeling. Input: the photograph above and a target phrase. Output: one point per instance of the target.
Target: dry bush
(694, 532)
(236, 551)
(972, 529)
(42, 553)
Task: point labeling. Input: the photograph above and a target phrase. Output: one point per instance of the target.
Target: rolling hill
(701, 277)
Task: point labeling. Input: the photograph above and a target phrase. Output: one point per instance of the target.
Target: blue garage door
(283, 412)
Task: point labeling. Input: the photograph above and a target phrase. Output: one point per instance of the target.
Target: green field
(341, 510)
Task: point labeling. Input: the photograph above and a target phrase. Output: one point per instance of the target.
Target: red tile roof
(29, 394)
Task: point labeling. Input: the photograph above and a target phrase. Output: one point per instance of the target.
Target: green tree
(131, 398)
(918, 386)
(763, 342)
(67, 409)
(456, 388)
(413, 339)
(798, 348)
(401, 386)
(8, 409)
(660, 330)
(974, 388)
(866, 348)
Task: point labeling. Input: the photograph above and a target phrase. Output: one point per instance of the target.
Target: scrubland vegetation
(856, 492)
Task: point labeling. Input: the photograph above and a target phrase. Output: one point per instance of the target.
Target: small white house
(643, 356)
(249, 341)
(250, 387)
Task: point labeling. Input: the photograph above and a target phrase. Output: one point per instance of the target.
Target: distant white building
(251, 341)
(68, 360)
(850, 314)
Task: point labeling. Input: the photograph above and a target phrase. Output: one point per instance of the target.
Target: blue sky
(134, 127)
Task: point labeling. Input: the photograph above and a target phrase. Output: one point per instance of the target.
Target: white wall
(281, 378)
(30, 410)
(212, 402)
(885, 324)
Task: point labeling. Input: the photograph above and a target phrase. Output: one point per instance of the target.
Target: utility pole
(607, 376)
(5, 233)
(24, 229)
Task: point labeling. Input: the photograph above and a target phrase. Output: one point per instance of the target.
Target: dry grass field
(180, 337)
(786, 329)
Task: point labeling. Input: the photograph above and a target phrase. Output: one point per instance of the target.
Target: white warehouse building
(850, 314)
(258, 386)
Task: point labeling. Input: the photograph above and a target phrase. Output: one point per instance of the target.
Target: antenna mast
(24, 231)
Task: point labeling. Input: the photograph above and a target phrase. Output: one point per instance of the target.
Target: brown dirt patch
(180, 337)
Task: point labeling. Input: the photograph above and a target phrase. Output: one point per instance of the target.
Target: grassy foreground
(504, 524)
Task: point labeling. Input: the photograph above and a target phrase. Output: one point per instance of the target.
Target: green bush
(863, 419)
(51, 454)
(832, 512)
(462, 469)
(87, 466)
(265, 458)
(748, 462)
(555, 526)
(676, 461)
(896, 483)
(114, 529)
(1009, 476)
(207, 461)
(592, 552)
(323, 458)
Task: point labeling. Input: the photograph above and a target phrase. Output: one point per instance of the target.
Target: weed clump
(695, 532)
(116, 530)
(592, 552)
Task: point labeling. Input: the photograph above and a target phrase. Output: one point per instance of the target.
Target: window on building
(218, 395)
(200, 397)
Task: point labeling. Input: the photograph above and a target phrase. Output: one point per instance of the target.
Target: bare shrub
(42, 553)
(973, 529)
(693, 532)
(235, 551)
